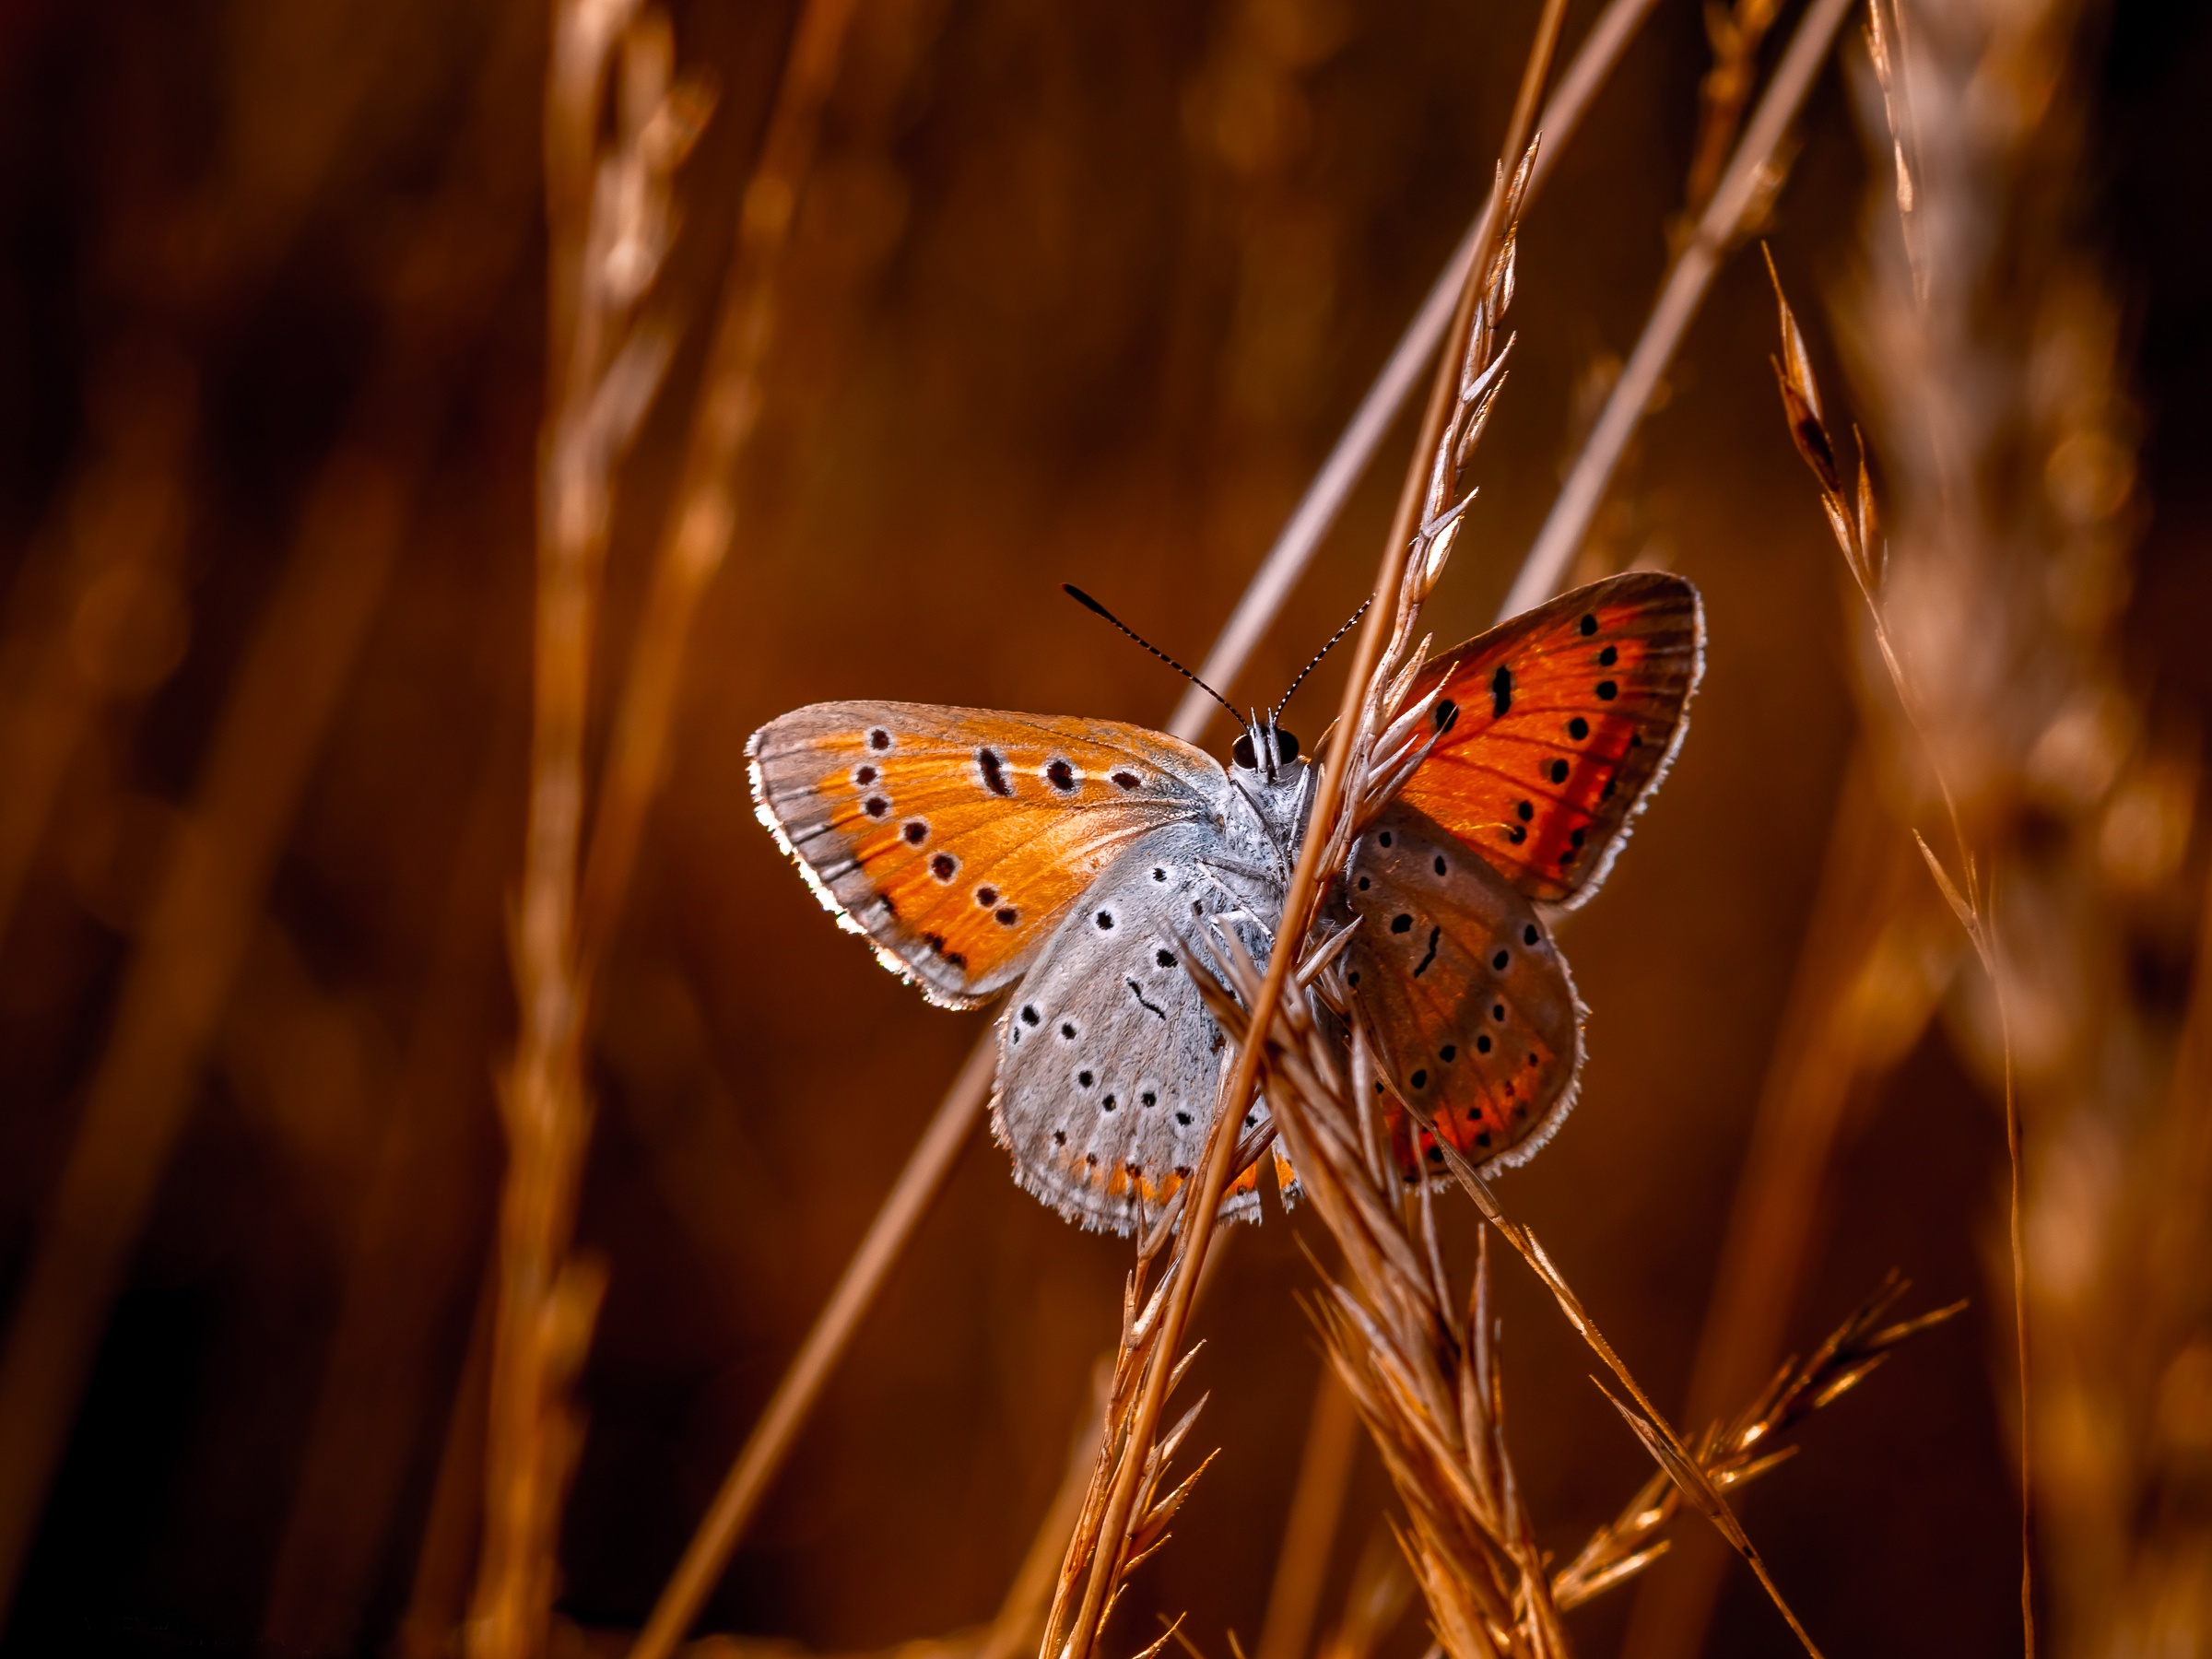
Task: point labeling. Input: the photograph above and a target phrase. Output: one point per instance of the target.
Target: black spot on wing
(1434, 934)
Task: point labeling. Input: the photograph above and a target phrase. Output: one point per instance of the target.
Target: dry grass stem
(609, 214)
(1141, 1325)
(701, 525)
(1348, 461)
(1380, 748)
(677, 582)
(1420, 1369)
(1879, 952)
(1853, 521)
(1099, 1552)
(1462, 1554)
(1389, 741)
(1735, 33)
(1753, 176)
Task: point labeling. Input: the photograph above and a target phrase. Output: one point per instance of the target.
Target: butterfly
(1082, 865)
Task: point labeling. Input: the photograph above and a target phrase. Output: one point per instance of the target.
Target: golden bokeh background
(1073, 293)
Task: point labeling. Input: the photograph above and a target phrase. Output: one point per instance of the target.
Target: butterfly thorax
(1270, 788)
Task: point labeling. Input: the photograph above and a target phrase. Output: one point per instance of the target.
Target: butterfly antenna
(1084, 599)
(1319, 655)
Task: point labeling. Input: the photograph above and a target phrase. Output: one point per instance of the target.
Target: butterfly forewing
(1470, 1007)
(1555, 726)
(954, 838)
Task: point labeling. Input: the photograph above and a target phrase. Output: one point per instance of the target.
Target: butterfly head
(1265, 751)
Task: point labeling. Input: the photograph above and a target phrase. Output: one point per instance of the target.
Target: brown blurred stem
(286, 690)
(421, 1230)
(764, 1448)
(607, 219)
(701, 528)
(1854, 523)
(1325, 1472)
(438, 1595)
(703, 521)
(1735, 33)
(1748, 177)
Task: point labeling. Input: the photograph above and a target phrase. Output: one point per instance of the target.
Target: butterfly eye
(1243, 753)
(1286, 745)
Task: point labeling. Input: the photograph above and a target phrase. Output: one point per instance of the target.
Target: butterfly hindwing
(1109, 1063)
(956, 838)
(1556, 725)
(1469, 1005)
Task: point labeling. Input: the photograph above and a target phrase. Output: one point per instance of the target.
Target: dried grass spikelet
(1393, 738)
(1473, 1557)
(1746, 1447)
(1853, 522)
(1122, 1520)
(1421, 1366)
(1150, 1512)
(1983, 349)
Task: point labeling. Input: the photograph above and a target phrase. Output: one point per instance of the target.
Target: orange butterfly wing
(1556, 725)
(1470, 1007)
(954, 838)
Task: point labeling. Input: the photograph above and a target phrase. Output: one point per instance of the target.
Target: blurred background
(1071, 294)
